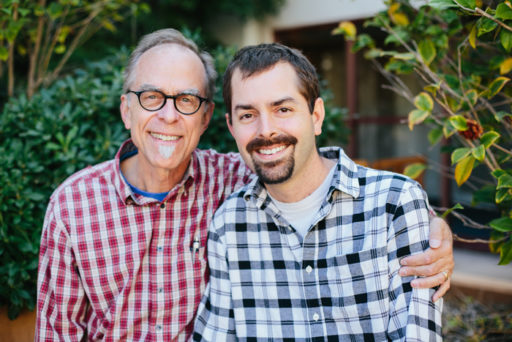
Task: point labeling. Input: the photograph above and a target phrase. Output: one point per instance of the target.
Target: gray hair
(170, 36)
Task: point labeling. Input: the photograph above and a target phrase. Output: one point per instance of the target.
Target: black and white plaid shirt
(340, 282)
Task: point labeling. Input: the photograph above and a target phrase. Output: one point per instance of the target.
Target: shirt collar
(345, 178)
(126, 193)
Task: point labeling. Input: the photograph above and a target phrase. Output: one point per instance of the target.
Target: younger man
(310, 249)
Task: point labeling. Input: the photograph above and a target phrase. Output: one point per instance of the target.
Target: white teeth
(164, 137)
(272, 151)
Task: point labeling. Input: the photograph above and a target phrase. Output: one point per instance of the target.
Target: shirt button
(162, 205)
(309, 269)
(316, 317)
(160, 290)
(159, 248)
(158, 327)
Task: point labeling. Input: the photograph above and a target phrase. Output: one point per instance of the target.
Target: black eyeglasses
(153, 100)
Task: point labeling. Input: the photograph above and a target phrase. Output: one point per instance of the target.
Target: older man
(123, 244)
(310, 249)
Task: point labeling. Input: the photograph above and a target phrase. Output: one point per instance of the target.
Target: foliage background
(72, 120)
(459, 50)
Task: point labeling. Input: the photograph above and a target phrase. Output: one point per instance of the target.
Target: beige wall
(295, 13)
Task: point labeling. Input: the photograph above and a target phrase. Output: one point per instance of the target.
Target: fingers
(429, 263)
(441, 242)
(429, 282)
(439, 231)
(441, 291)
(441, 279)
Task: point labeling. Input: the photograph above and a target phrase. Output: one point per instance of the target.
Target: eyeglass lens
(185, 103)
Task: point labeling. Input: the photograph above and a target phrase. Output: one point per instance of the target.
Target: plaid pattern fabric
(115, 265)
(340, 283)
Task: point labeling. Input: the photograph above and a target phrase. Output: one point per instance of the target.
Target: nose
(266, 127)
(168, 112)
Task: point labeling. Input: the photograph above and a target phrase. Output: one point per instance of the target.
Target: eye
(245, 116)
(284, 110)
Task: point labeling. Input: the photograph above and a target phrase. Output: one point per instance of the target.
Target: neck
(155, 180)
(302, 184)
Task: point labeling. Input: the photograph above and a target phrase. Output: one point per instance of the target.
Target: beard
(166, 151)
(273, 172)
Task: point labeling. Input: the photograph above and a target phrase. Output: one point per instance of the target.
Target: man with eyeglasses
(123, 244)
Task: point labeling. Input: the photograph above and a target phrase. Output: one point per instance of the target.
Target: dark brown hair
(257, 58)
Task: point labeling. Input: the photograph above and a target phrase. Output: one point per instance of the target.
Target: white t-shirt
(302, 213)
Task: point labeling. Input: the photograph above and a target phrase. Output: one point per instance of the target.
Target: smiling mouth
(164, 137)
(272, 150)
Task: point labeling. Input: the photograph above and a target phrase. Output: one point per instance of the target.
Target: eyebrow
(243, 107)
(283, 100)
(273, 104)
(189, 91)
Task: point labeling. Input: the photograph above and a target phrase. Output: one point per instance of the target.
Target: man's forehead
(172, 63)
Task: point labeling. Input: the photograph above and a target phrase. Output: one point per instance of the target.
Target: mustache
(258, 143)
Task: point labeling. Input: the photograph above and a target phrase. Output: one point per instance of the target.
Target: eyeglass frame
(173, 97)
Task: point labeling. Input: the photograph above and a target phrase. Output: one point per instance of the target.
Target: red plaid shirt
(115, 265)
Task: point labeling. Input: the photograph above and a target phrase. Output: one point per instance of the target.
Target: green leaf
(417, 116)
(435, 135)
(485, 25)
(424, 102)
(506, 253)
(502, 224)
(427, 51)
(397, 37)
(498, 173)
(478, 152)
(459, 154)
(414, 170)
(472, 96)
(433, 88)
(503, 12)
(496, 86)
(504, 181)
(499, 116)
(485, 194)
(458, 122)
(463, 170)
(471, 4)
(503, 195)
(506, 39)
(441, 4)
(362, 41)
(399, 66)
(4, 53)
(489, 138)
(449, 211)
(60, 49)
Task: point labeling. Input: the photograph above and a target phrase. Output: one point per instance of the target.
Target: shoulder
(381, 180)
(212, 157)
(83, 180)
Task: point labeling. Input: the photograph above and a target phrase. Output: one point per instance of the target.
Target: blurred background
(61, 68)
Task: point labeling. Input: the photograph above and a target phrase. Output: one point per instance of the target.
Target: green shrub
(71, 124)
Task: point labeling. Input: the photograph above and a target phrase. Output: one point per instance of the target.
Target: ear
(229, 123)
(318, 115)
(124, 108)
(207, 116)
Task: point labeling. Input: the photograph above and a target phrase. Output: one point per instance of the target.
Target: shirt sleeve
(215, 317)
(61, 300)
(413, 316)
